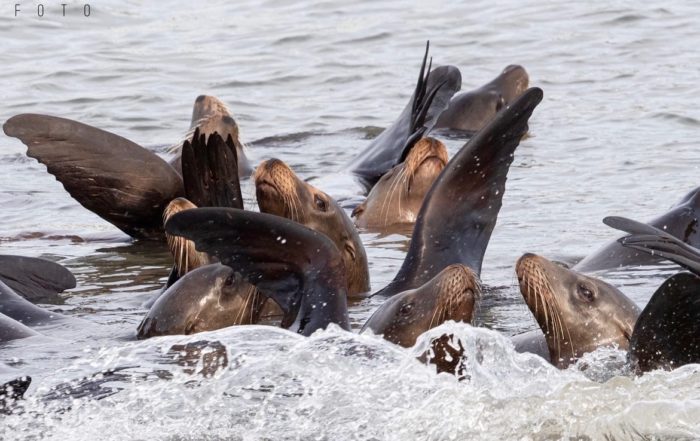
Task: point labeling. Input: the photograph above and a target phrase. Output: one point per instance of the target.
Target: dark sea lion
(399, 194)
(450, 295)
(431, 96)
(207, 298)
(11, 329)
(459, 212)
(210, 115)
(680, 221)
(37, 280)
(300, 269)
(209, 167)
(201, 295)
(667, 333)
(577, 313)
(468, 112)
(18, 308)
(280, 192)
(120, 181)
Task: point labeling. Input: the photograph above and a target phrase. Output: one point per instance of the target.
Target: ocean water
(311, 82)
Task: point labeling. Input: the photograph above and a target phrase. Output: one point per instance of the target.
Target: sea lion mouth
(276, 191)
(458, 288)
(541, 298)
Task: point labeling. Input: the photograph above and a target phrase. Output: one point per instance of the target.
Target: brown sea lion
(451, 295)
(205, 299)
(280, 192)
(468, 112)
(120, 181)
(577, 313)
(458, 214)
(430, 98)
(202, 295)
(399, 194)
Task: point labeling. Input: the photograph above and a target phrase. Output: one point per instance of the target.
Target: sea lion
(11, 329)
(399, 194)
(459, 212)
(120, 181)
(450, 295)
(300, 269)
(18, 308)
(210, 115)
(207, 298)
(468, 112)
(681, 221)
(37, 280)
(280, 192)
(201, 295)
(231, 234)
(430, 98)
(577, 313)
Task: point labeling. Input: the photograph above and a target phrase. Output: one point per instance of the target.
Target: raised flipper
(431, 96)
(210, 171)
(300, 269)
(37, 280)
(459, 212)
(210, 175)
(111, 176)
(656, 242)
(667, 333)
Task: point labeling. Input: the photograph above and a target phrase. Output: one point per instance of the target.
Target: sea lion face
(280, 192)
(399, 194)
(206, 106)
(512, 82)
(577, 313)
(208, 298)
(450, 295)
(472, 110)
(211, 115)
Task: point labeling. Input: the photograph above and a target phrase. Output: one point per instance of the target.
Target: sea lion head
(207, 298)
(577, 313)
(399, 194)
(512, 82)
(280, 192)
(451, 295)
(205, 106)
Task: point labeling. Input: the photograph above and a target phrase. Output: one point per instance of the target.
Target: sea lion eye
(350, 249)
(228, 281)
(320, 203)
(406, 308)
(585, 293)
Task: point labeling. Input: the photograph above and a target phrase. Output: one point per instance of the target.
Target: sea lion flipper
(111, 176)
(459, 212)
(656, 242)
(37, 280)
(300, 269)
(430, 98)
(210, 171)
(667, 333)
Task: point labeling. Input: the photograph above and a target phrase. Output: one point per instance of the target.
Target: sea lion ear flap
(210, 171)
(651, 240)
(667, 332)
